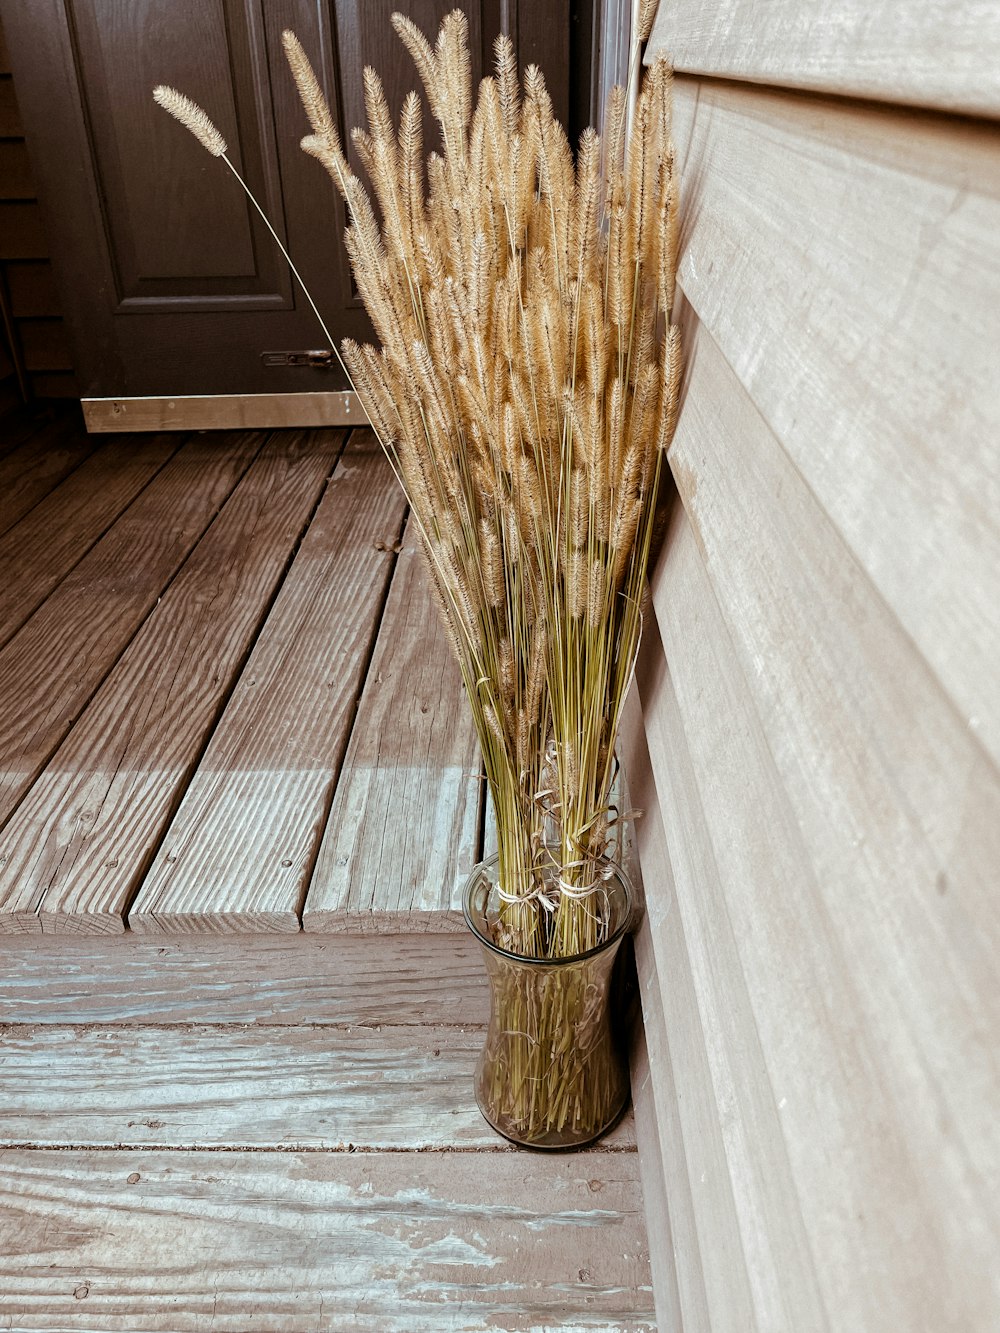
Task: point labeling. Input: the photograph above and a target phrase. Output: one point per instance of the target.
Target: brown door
(170, 282)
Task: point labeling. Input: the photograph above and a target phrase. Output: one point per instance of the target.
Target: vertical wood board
(675, 1262)
(746, 1252)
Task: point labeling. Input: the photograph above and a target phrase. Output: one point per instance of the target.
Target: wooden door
(171, 284)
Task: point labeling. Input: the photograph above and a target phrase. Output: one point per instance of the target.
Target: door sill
(234, 411)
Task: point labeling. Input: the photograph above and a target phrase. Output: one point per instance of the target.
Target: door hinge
(317, 358)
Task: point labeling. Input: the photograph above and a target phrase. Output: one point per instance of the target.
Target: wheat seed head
(191, 117)
(647, 13)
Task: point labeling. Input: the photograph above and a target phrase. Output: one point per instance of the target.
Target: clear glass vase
(553, 1072)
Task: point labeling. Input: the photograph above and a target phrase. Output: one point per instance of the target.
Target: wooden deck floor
(239, 792)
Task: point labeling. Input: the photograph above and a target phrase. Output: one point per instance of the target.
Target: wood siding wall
(819, 738)
(30, 302)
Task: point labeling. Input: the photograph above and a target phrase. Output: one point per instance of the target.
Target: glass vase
(553, 1072)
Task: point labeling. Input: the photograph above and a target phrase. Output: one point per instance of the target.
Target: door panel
(181, 231)
(171, 283)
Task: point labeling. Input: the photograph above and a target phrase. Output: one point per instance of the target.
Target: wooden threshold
(233, 411)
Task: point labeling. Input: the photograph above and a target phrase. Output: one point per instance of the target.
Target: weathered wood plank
(397, 1243)
(241, 1087)
(403, 833)
(917, 808)
(47, 453)
(238, 854)
(939, 53)
(76, 848)
(53, 665)
(254, 979)
(44, 546)
(372, 1087)
(843, 258)
(814, 983)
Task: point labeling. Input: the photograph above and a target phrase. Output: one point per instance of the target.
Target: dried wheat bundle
(525, 389)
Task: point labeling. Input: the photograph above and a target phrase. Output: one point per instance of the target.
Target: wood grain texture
(322, 1087)
(398, 1243)
(44, 457)
(238, 854)
(886, 788)
(274, 979)
(403, 832)
(37, 552)
(934, 54)
(844, 260)
(74, 851)
(887, 784)
(830, 1063)
(53, 665)
(659, 1231)
(263, 979)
